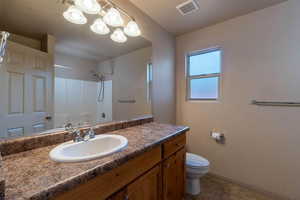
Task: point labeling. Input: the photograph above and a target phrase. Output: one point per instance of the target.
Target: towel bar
(276, 103)
(126, 101)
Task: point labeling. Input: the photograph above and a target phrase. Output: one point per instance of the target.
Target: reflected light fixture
(109, 15)
(88, 6)
(118, 36)
(74, 15)
(113, 18)
(99, 27)
(132, 29)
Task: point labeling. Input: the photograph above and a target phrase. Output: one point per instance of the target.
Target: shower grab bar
(276, 103)
(126, 101)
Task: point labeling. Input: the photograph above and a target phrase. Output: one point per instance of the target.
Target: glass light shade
(132, 29)
(99, 27)
(113, 18)
(88, 6)
(74, 15)
(118, 36)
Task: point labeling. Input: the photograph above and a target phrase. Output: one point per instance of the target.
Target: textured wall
(163, 58)
(260, 61)
(75, 67)
(129, 82)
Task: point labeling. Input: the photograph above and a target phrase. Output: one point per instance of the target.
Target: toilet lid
(193, 160)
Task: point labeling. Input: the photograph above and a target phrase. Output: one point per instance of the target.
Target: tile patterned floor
(218, 189)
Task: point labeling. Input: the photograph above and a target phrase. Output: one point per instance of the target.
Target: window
(203, 74)
(149, 81)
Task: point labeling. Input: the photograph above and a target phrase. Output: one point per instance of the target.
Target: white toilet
(196, 167)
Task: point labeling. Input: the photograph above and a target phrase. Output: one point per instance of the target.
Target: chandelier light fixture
(99, 27)
(118, 36)
(88, 6)
(110, 18)
(113, 18)
(132, 29)
(74, 15)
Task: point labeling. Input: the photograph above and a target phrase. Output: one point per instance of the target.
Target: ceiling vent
(187, 7)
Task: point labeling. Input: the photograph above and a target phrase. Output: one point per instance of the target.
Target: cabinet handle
(126, 197)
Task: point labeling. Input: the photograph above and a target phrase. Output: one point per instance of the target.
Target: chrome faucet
(86, 136)
(77, 133)
(77, 136)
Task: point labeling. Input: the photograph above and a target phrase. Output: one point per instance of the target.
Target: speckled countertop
(32, 175)
(2, 181)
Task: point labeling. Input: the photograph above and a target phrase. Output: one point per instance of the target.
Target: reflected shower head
(98, 75)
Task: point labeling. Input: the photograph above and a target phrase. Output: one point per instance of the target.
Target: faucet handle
(77, 136)
(69, 127)
(91, 133)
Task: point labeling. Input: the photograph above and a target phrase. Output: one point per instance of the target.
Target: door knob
(48, 118)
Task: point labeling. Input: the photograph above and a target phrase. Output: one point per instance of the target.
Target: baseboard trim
(272, 195)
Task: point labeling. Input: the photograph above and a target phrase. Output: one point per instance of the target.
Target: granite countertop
(2, 181)
(32, 175)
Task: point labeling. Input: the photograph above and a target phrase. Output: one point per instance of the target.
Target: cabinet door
(174, 176)
(121, 195)
(180, 163)
(147, 187)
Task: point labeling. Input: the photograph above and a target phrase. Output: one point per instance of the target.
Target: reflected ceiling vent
(187, 7)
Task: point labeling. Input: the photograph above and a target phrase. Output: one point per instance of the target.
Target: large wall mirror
(55, 72)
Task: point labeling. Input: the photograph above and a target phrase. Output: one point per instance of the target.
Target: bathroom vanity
(152, 167)
(159, 171)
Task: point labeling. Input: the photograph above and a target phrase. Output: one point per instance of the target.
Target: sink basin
(100, 146)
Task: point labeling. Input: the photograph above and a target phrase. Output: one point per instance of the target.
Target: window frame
(203, 76)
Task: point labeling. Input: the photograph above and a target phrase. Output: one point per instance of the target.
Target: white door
(26, 91)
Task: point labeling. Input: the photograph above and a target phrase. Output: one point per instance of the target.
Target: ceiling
(33, 18)
(164, 12)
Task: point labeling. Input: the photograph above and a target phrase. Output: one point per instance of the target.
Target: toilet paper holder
(218, 137)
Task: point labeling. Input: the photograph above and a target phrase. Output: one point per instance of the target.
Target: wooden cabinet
(158, 174)
(104, 185)
(174, 176)
(181, 173)
(173, 145)
(147, 187)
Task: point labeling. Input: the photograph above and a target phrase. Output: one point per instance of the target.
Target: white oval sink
(101, 145)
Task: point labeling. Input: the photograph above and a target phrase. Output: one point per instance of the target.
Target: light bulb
(132, 29)
(74, 15)
(88, 6)
(113, 18)
(99, 27)
(118, 36)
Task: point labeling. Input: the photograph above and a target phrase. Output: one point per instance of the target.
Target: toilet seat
(195, 161)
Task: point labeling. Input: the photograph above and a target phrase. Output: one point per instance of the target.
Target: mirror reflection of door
(56, 72)
(26, 80)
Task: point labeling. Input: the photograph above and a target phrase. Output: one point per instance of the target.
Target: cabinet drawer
(174, 145)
